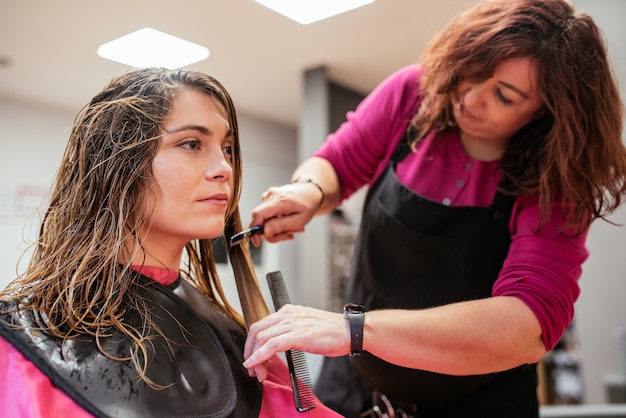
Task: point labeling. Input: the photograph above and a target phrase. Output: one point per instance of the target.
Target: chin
(213, 232)
(205, 233)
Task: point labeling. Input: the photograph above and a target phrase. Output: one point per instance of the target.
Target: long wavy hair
(74, 280)
(574, 152)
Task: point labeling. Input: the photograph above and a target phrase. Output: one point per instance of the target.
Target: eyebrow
(515, 89)
(199, 128)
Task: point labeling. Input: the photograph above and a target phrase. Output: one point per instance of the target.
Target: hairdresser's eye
(502, 97)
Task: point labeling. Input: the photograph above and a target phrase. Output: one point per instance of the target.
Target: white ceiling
(49, 47)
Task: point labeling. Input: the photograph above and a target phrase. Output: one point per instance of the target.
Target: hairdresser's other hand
(295, 327)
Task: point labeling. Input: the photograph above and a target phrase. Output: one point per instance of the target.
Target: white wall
(602, 305)
(32, 140)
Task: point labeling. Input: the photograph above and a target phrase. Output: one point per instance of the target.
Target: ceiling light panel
(149, 47)
(309, 11)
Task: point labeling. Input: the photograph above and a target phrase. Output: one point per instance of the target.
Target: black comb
(246, 234)
(296, 361)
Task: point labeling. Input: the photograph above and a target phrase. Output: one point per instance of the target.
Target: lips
(466, 112)
(219, 198)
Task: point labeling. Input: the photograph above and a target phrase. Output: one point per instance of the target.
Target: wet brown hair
(574, 151)
(75, 279)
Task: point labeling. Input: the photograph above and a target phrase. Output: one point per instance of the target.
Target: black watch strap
(355, 314)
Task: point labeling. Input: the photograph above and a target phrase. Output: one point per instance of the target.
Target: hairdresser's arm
(532, 304)
(474, 337)
(285, 210)
(349, 158)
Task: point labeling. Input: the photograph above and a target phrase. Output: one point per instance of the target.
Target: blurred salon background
(292, 84)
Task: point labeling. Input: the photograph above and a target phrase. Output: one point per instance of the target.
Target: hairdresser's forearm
(464, 338)
(321, 172)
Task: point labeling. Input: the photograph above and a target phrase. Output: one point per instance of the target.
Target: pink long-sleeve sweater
(542, 268)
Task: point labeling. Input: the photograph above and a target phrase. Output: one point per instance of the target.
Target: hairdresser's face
(193, 172)
(489, 112)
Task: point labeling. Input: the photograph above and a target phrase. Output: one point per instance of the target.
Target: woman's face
(490, 112)
(193, 173)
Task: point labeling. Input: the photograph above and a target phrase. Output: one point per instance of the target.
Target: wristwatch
(355, 314)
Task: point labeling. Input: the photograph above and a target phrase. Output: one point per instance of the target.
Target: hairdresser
(486, 164)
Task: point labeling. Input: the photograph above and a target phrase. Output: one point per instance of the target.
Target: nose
(219, 167)
(474, 95)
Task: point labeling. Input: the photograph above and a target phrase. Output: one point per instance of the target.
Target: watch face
(353, 308)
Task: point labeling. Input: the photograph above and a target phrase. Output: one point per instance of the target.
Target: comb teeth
(296, 361)
(300, 380)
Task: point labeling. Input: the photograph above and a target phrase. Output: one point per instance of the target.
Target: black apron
(198, 364)
(413, 253)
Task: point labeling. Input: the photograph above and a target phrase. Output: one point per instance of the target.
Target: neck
(157, 253)
(481, 149)
(146, 258)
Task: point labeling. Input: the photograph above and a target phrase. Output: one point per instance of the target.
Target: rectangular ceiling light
(309, 11)
(148, 47)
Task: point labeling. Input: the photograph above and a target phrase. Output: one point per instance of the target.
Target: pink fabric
(278, 399)
(460, 180)
(28, 393)
(164, 276)
(542, 269)
(360, 149)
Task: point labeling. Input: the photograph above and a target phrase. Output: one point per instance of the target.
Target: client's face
(193, 173)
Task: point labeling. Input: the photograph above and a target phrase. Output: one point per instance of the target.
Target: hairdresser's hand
(285, 210)
(295, 327)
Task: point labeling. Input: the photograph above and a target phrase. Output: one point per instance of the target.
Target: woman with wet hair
(120, 312)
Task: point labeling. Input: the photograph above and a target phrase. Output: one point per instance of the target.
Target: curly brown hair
(75, 279)
(574, 152)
